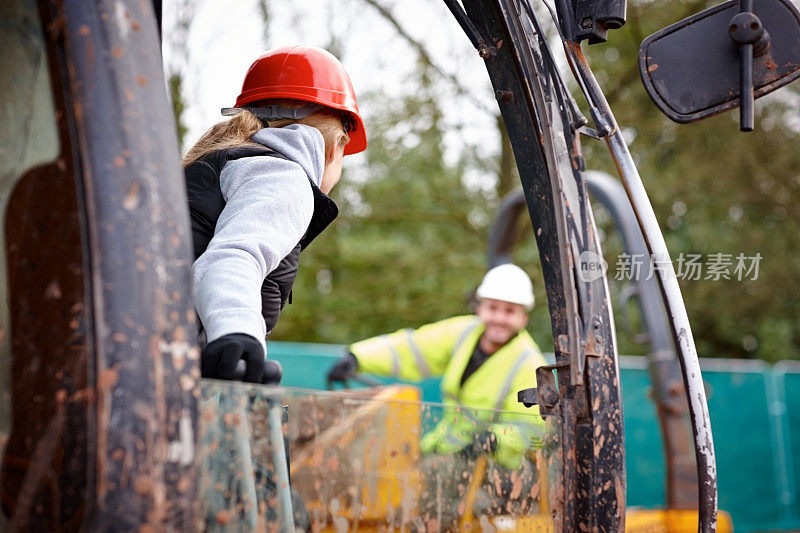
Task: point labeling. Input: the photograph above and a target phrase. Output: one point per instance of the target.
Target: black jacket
(206, 204)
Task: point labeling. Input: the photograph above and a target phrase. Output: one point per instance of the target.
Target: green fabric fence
(755, 415)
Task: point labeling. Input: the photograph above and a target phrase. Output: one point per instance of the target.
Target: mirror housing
(691, 69)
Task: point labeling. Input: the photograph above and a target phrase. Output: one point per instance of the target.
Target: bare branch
(426, 58)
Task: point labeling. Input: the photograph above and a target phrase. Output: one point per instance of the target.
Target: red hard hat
(309, 74)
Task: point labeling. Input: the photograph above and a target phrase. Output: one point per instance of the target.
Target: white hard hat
(508, 283)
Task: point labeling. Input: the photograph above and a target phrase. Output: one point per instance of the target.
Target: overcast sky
(225, 37)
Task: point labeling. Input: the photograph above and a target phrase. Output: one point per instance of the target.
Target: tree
(715, 191)
(176, 65)
(410, 242)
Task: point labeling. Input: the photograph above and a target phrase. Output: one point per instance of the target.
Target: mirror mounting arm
(747, 31)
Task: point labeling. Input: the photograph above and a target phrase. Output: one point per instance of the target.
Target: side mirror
(700, 66)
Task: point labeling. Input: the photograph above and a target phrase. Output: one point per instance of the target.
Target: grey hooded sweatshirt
(269, 205)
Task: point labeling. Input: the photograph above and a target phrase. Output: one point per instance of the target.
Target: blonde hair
(239, 130)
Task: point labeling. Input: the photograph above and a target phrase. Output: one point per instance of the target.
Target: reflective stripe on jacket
(444, 349)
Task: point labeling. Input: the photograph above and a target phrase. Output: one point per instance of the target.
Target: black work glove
(344, 368)
(483, 443)
(219, 358)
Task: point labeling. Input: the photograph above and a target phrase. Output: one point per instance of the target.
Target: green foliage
(715, 190)
(410, 242)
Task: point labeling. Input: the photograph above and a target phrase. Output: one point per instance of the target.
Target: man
(483, 361)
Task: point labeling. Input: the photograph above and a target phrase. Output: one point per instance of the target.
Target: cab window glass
(28, 138)
(45, 307)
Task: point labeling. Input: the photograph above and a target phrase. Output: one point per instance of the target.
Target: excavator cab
(104, 422)
(98, 366)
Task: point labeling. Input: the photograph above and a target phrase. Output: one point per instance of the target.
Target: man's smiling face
(502, 320)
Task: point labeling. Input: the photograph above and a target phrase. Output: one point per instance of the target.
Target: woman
(257, 187)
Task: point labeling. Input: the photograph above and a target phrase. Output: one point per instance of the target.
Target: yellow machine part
(538, 523)
(361, 471)
(636, 521)
(670, 521)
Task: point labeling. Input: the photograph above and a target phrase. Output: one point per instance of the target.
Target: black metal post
(587, 418)
(676, 308)
(140, 251)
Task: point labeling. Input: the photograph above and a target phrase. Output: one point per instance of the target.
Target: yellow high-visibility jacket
(444, 349)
